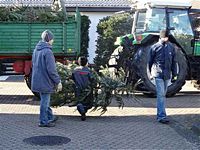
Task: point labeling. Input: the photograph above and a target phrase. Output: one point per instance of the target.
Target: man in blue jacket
(162, 63)
(45, 78)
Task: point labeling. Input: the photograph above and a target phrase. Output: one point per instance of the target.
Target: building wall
(94, 18)
(195, 4)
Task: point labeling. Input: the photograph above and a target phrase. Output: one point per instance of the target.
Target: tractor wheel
(28, 83)
(149, 84)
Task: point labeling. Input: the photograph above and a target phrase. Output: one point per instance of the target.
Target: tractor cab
(152, 16)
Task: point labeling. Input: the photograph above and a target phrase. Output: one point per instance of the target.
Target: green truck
(17, 42)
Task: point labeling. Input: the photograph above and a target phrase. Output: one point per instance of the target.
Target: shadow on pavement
(19, 99)
(14, 78)
(187, 101)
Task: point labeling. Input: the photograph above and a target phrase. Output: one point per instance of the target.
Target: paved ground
(133, 127)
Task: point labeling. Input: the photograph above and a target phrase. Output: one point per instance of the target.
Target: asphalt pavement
(133, 127)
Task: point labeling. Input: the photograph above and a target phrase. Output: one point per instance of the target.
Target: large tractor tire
(149, 84)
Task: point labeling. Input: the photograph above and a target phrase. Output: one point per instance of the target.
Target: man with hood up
(45, 78)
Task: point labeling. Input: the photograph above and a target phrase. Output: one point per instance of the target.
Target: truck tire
(149, 84)
(28, 83)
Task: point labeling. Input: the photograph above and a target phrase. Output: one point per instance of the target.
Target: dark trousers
(86, 104)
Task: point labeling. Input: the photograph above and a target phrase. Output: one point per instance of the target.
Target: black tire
(28, 83)
(173, 88)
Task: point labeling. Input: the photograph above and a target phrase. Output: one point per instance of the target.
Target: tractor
(133, 49)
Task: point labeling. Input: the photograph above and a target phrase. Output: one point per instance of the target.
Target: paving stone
(133, 127)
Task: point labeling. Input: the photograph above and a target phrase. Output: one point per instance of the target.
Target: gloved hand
(173, 79)
(59, 87)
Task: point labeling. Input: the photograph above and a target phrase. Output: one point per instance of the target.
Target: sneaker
(80, 108)
(47, 125)
(83, 117)
(164, 121)
(54, 119)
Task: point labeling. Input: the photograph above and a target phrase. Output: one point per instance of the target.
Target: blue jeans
(161, 90)
(45, 111)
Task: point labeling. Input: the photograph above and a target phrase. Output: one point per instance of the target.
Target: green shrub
(85, 25)
(109, 28)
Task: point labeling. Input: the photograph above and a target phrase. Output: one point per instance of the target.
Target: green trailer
(17, 42)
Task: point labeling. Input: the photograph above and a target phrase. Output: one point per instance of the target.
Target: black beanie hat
(164, 34)
(47, 36)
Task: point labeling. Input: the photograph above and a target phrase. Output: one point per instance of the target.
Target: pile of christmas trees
(30, 14)
(105, 88)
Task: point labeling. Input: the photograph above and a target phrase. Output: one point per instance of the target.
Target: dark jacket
(44, 74)
(82, 77)
(162, 60)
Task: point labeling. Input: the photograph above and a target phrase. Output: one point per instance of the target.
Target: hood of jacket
(42, 45)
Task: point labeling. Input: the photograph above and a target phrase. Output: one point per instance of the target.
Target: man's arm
(174, 63)
(151, 57)
(51, 67)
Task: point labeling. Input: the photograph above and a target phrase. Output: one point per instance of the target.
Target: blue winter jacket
(44, 74)
(162, 60)
(82, 77)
